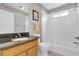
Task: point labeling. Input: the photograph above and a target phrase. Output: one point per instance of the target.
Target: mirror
(6, 22)
(13, 21)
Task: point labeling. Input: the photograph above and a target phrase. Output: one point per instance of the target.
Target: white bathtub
(63, 50)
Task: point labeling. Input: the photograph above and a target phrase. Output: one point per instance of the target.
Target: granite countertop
(12, 43)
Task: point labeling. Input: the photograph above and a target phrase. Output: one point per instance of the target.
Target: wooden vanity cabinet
(26, 49)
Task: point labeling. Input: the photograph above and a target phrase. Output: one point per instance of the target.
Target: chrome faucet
(19, 34)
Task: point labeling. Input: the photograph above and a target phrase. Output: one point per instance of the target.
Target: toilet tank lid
(44, 44)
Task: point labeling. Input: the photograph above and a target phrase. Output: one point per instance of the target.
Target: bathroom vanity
(20, 48)
(28, 48)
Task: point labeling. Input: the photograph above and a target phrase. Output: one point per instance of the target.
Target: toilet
(44, 48)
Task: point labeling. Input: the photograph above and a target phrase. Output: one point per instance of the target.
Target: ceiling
(50, 6)
(19, 5)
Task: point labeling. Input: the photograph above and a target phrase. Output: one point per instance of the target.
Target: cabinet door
(22, 54)
(33, 51)
(0, 52)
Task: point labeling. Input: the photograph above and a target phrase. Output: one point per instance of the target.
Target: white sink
(20, 39)
(7, 44)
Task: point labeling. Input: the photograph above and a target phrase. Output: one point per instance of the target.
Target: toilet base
(44, 54)
(44, 48)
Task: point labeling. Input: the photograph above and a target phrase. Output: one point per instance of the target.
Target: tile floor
(51, 54)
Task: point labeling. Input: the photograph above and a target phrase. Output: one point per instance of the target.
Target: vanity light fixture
(60, 14)
(56, 15)
(64, 14)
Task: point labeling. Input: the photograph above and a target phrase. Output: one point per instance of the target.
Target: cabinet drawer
(14, 50)
(22, 54)
(20, 48)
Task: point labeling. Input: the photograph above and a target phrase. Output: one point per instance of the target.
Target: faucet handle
(77, 37)
(16, 36)
(19, 34)
(76, 42)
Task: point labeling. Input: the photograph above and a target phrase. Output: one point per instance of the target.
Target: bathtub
(64, 50)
